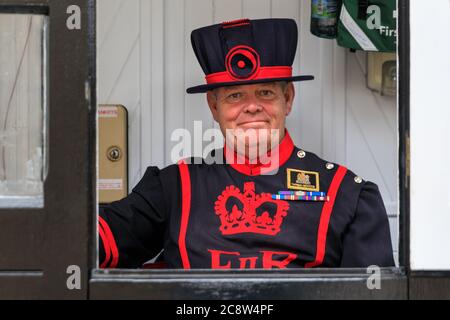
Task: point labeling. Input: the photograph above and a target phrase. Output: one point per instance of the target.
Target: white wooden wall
(145, 62)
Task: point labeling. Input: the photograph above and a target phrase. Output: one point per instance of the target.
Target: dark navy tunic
(222, 216)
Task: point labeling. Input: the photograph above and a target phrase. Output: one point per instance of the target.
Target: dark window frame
(39, 244)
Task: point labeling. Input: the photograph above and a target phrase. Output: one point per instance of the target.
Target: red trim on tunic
(325, 218)
(185, 211)
(112, 243)
(278, 157)
(106, 247)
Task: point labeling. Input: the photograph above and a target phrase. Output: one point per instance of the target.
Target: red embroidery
(270, 263)
(247, 220)
(215, 259)
(252, 262)
(267, 257)
(241, 57)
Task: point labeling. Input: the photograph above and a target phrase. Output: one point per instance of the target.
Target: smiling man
(257, 106)
(266, 204)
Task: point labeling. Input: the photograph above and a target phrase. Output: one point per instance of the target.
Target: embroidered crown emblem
(303, 178)
(249, 212)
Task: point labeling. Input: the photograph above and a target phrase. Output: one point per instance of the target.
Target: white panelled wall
(146, 62)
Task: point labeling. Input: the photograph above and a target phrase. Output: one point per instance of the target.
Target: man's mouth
(253, 124)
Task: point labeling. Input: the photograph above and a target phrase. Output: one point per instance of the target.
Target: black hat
(245, 52)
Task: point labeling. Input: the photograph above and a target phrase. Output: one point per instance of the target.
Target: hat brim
(207, 87)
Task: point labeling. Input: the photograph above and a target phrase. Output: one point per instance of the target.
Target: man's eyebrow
(230, 88)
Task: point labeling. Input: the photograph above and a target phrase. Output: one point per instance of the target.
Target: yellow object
(112, 153)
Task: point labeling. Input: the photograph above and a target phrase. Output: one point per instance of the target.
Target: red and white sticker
(108, 112)
(110, 184)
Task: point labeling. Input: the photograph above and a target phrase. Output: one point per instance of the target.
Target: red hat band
(243, 63)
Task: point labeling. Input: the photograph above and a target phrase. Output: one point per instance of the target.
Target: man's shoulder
(155, 176)
(314, 162)
(351, 184)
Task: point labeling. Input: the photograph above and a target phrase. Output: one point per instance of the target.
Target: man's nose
(252, 106)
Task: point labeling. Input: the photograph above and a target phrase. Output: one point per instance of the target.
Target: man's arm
(131, 230)
(367, 240)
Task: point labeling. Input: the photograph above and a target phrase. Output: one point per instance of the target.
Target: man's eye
(234, 96)
(266, 93)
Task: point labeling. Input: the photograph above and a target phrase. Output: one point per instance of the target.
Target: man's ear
(289, 96)
(212, 103)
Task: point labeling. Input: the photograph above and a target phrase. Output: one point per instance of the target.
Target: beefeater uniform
(295, 211)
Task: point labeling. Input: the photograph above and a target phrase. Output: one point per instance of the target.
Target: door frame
(38, 245)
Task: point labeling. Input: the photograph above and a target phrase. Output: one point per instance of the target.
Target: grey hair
(283, 85)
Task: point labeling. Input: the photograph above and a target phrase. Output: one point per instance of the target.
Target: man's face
(254, 106)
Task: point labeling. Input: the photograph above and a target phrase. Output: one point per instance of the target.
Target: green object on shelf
(368, 25)
(324, 18)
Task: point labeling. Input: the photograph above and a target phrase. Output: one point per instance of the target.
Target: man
(292, 210)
